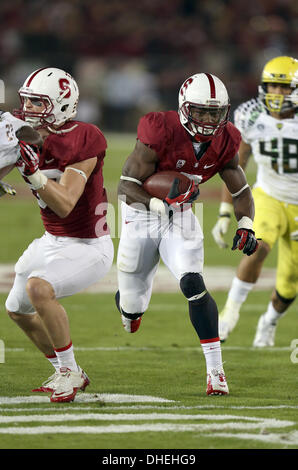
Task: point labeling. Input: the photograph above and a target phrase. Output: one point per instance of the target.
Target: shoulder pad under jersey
(247, 113)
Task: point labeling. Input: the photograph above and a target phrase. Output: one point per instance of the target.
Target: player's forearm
(29, 135)
(59, 198)
(226, 195)
(244, 205)
(4, 171)
(132, 193)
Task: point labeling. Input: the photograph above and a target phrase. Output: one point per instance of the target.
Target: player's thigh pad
(137, 262)
(73, 264)
(270, 220)
(33, 258)
(137, 251)
(182, 249)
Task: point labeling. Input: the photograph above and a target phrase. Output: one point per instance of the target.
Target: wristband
(157, 205)
(225, 209)
(38, 180)
(246, 223)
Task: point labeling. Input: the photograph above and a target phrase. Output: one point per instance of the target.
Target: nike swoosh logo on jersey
(128, 221)
(208, 166)
(49, 161)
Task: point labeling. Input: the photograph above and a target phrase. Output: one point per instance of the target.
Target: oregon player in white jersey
(11, 131)
(269, 128)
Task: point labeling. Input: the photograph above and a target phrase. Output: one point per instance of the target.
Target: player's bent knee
(193, 286)
(280, 303)
(15, 316)
(263, 250)
(39, 290)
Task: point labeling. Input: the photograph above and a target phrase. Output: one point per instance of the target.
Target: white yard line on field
(155, 427)
(132, 417)
(129, 407)
(88, 398)
(287, 439)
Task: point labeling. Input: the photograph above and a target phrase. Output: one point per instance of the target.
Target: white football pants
(145, 238)
(68, 264)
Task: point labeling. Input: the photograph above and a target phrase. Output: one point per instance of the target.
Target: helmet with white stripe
(203, 106)
(56, 90)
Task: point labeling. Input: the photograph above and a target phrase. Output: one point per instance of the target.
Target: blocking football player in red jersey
(76, 249)
(199, 141)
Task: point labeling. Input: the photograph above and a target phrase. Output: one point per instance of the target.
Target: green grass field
(147, 390)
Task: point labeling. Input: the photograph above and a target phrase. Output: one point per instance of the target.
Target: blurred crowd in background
(130, 57)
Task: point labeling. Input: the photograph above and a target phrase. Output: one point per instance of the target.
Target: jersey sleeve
(90, 142)
(9, 148)
(234, 140)
(151, 131)
(245, 116)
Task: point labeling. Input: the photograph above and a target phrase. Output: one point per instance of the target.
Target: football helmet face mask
(53, 88)
(282, 71)
(203, 106)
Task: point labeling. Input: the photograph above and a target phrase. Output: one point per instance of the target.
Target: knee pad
(192, 286)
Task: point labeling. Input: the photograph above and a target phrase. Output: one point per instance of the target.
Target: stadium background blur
(131, 57)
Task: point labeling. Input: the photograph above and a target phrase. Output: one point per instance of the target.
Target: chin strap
(63, 131)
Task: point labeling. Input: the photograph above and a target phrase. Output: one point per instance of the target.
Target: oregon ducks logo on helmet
(283, 71)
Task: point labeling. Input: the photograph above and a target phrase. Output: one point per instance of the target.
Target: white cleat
(68, 383)
(228, 319)
(48, 385)
(216, 383)
(265, 333)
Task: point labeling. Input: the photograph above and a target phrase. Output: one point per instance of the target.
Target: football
(159, 184)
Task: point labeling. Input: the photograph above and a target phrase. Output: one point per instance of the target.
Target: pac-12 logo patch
(180, 163)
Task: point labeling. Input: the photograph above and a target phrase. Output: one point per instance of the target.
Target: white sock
(66, 357)
(239, 290)
(54, 361)
(212, 353)
(271, 315)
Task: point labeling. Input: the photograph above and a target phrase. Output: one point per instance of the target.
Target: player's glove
(245, 240)
(28, 161)
(176, 199)
(28, 165)
(5, 188)
(222, 225)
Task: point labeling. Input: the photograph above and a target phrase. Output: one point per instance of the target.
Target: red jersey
(87, 219)
(163, 132)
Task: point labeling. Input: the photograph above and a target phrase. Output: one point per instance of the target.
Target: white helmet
(57, 90)
(203, 106)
